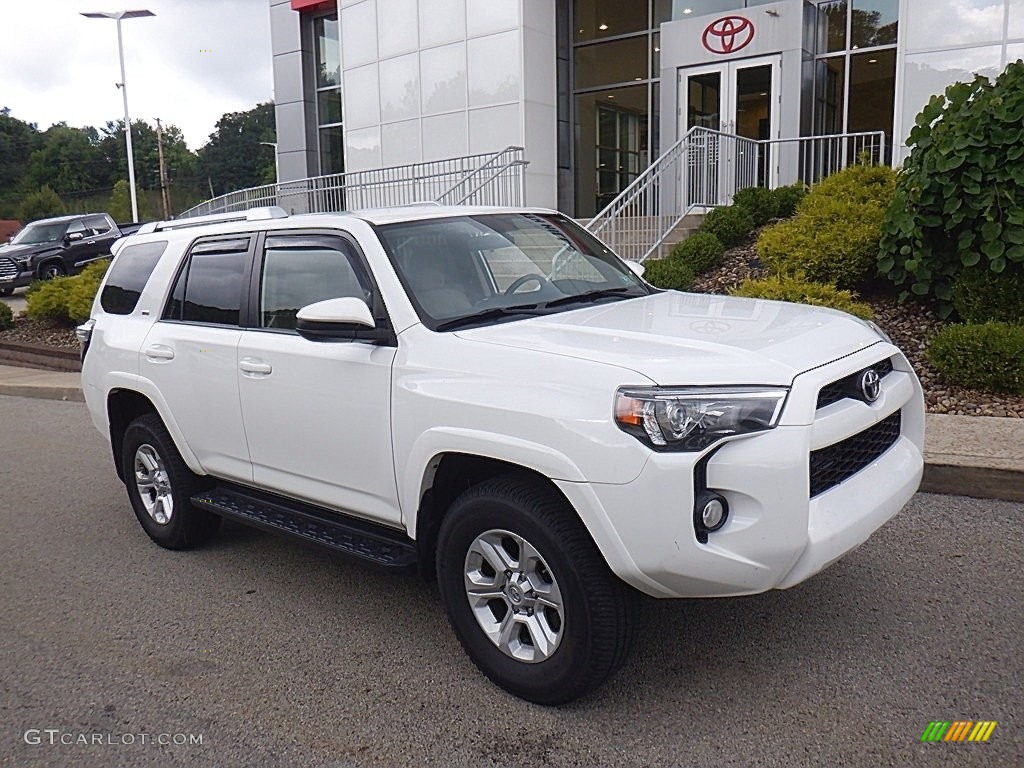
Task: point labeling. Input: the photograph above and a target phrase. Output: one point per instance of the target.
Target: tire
(51, 270)
(160, 487)
(587, 637)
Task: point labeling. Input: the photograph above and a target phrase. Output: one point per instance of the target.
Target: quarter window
(298, 271)
(98, 224)
(128, 276)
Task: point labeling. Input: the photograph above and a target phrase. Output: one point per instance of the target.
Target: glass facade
(327, 58)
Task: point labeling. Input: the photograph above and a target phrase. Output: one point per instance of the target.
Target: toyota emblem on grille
(871, 385)
(728, 34)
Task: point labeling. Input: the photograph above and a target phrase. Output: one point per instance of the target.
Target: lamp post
(117, 16)
(277, 162)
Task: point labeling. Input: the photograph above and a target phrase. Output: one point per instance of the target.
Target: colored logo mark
(728, 34)
(958, 730)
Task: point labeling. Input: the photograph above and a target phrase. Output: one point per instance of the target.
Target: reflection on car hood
(21, 251)
(692, 339)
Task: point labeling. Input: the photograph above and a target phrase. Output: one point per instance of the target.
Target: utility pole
(164, 194)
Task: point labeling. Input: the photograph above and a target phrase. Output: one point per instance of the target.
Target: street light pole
(277, 161)
(124, 94)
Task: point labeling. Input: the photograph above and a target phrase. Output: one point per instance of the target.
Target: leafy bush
(692, 257)
(701, 251)
(834, 236)
(960, 199)
(763, 205)
(988, 357)
(800, 291)
(6, 317)
(674, 274)
(66, 299)
(730, 224)
(980, 295)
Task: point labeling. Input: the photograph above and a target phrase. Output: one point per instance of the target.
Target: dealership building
(596, 90)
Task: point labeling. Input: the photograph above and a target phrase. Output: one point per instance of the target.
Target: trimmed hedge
(763, 204)
(981, 295)
(730, 224)
(6, 317)
(692, 257)
(781, 288)
(989, 357)
(66, 299)
(835, 234)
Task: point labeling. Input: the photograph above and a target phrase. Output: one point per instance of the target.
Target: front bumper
(13, 275)
(776, 535)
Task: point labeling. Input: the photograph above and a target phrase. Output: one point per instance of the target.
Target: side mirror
(344, 319)
(74, 237)
(637, 268)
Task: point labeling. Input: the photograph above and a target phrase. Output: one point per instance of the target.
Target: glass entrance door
(739, 101)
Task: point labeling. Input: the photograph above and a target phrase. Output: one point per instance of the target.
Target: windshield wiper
(591, 296)
(524, 310)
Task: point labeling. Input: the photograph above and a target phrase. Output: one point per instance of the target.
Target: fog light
(709, 514)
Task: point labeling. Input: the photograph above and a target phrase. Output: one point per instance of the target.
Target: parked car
(492, 395)
(51, 248)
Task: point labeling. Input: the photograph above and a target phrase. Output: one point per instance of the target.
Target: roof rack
(253, 214)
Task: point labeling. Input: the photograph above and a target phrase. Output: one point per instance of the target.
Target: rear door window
(209, 289)
(128, 276)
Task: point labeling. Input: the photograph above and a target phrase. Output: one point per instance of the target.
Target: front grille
(837, 463)
(849, 386)
(8, 268)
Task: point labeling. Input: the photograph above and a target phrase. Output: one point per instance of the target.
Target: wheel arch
(124, 405)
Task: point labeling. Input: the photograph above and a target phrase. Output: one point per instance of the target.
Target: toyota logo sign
(728, 34)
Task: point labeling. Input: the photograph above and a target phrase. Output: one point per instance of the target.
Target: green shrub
(701, 251)
(6, 317)
(787, 199)
(730, 224)
(960, 198)
(66, 299)
(980, 295)
(988, 357)
(759, 202)
(674, 274)
(833, 238)
(803, 292)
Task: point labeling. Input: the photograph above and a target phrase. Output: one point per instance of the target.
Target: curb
(977, 482)
(70, 394)
(40, 357)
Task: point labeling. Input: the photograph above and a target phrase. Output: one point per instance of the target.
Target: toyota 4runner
(493, 396)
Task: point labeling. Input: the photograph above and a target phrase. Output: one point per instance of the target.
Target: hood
(24, 251)
(692, 339)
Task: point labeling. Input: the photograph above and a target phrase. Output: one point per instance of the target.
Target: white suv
(493, 395)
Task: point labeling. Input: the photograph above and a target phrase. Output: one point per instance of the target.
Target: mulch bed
(910, 325)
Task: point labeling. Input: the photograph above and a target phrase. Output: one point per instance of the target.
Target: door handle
(159, 352)
(255, 367)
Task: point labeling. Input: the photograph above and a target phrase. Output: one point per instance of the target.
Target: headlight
(691, 419)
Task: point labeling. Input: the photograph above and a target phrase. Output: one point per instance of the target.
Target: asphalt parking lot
(274, 654)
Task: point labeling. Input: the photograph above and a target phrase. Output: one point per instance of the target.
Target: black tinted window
(300, 271)
(128, 275)
(209, 288)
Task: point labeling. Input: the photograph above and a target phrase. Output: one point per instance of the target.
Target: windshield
(34, 234)
(472, 270)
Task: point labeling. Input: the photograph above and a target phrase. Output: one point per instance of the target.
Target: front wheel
(160, 487)
(52, 270)
(528, 593)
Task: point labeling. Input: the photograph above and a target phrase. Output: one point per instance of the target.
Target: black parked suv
(55, 247)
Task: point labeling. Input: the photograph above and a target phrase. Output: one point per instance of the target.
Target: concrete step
(40, 357)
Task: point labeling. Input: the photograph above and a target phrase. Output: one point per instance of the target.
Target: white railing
(705, 168)
(491, 179)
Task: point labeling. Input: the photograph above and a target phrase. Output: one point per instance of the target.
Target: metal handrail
(383, 187)
(704, 168)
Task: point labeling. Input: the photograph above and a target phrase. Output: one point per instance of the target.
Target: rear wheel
(528, 594)
(160, 487)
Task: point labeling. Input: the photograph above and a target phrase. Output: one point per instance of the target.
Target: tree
(233, 158)
(120, 205)
(41, 205)
(17, 141)
(68, 160)
(180, 160)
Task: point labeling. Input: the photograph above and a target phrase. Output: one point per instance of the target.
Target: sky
(188, 65)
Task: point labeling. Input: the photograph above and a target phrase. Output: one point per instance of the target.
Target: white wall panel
(445, 136)
(495, 69)
(399, 88)
(362, 97)
(397, 27)
(400, 143)
(443, 78)
(359, 34)
(442, 21)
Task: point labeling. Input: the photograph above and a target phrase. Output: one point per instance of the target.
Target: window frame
(182, 269)
(251, 314)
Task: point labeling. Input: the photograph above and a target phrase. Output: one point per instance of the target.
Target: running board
(368, 541)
